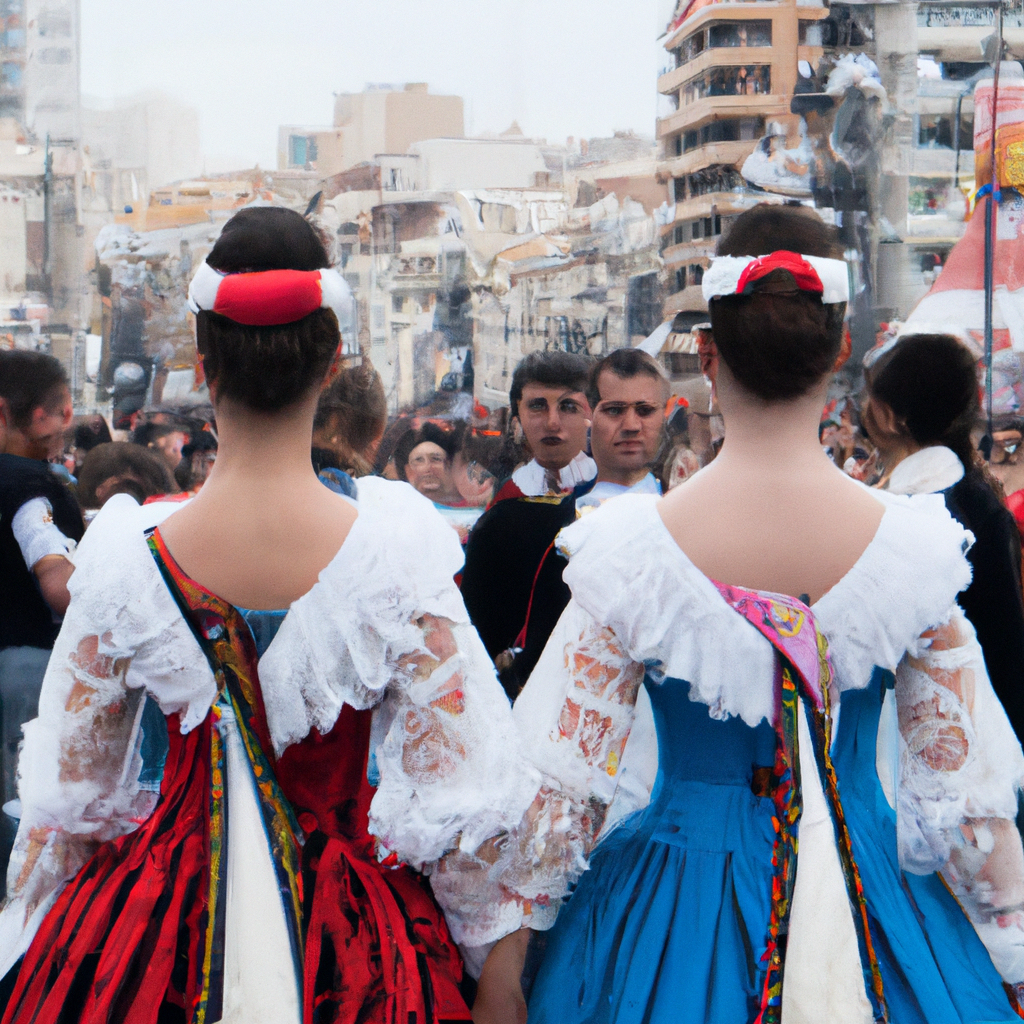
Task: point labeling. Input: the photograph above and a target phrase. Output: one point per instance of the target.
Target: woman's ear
(885, 420)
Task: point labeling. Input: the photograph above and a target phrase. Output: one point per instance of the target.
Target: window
(810, 34)
(740, 80)
(643, 304)
(935, 131)
(56, 55)
(301, 150)
(733, 129)
(740, 33)
(706, 227)
(54, 24)
(679, 189)
(695, 273)
(680, 279)
(678, 237)
(714, 179)
(397, 303)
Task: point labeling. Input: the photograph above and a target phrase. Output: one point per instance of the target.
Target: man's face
(555, 423)
(428, 470)
(43, 437)
(626, 429)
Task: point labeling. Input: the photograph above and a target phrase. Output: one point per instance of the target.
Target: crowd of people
(314, 714)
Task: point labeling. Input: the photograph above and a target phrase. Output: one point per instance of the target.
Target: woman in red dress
(333, 721)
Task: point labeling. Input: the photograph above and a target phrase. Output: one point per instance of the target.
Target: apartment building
(731, 73)
(380, 119)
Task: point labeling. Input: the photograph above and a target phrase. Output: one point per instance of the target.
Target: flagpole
(991, 208)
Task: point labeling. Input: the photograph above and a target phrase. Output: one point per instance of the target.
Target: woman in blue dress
(767, 879)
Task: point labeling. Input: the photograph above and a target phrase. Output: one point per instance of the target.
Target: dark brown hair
(553, 369)
(267, 368)
(354, 407)
(28, 381)
(626, 363)
(778, 342)
(930, 381)
(142, 474)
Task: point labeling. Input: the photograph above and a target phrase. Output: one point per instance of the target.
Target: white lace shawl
(639, 604)
(384, 627)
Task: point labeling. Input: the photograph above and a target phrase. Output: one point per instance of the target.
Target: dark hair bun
(267, 368)
(930, 381)
(779, 342)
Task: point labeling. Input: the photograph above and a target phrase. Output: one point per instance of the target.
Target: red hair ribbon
(806, 277)
(269, 297)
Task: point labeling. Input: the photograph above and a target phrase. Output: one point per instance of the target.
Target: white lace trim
(338, 642)
(904, 584)
(531, 479)
(116, 582)
(626, 570)
(926, 471)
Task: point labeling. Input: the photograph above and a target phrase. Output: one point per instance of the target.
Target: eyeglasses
(421, 461)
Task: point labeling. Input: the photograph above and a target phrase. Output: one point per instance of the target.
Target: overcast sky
(560, 67)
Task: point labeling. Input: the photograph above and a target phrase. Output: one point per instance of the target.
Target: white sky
(560, 67)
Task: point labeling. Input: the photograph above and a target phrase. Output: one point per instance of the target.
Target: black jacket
(994, 602)
(25, 618)
(509, 548)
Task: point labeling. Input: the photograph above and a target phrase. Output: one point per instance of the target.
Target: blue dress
(685, 915)
(934, 966)
(669, 925)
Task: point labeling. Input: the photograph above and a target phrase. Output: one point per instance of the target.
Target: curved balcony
(695, 114)
(689, 300)
(730, 153)
(689, 252)
(715, 57)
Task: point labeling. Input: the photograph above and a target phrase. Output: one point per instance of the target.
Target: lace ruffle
(903, 584)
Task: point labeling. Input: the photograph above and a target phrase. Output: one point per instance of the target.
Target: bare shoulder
(788, 532)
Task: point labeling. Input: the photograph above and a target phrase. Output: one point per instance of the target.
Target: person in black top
(512, 582)
(922, 405)
(40, 523)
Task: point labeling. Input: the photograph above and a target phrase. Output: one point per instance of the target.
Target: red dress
(138, 934)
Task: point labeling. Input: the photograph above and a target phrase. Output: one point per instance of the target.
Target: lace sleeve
(961, 767)
(78, 776)
(575, 716)
(444, 748)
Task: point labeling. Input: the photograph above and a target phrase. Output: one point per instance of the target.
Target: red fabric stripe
(270, 297)
(804, 274)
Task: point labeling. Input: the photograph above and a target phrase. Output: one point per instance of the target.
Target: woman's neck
(761, 437)
(893, 453)
(254, 447)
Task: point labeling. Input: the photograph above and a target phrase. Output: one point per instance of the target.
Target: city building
(380, 119)
(134, 144)
(731, 75)
(51, 69)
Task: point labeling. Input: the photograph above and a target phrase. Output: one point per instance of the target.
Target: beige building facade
(732, 71)
(380, 119)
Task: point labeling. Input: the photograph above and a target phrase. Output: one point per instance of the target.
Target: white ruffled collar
(396, 563)
(531, 479)
(926, 471)
(627, 571)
